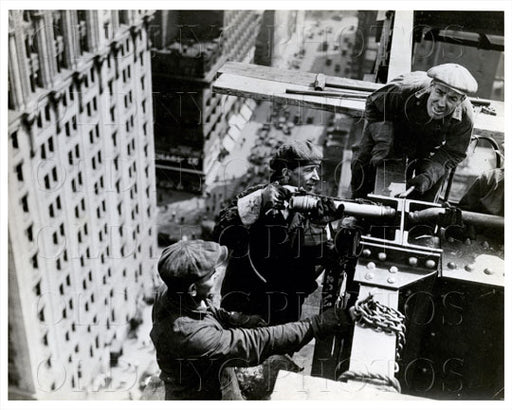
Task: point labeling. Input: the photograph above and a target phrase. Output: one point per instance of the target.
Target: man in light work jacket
(195, 341)
(424, 117)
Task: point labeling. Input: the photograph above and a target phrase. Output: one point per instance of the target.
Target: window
(54, 174)
(59, 205)
(68, 280)
(114, 139)
(19, 172)
(35, 264)
(47, 182)
(66, 128)
(43, 151)
(14, 139)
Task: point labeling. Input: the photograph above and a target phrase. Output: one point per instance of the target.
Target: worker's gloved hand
(421, 183)
(329, 322)
(382, 136)
(273, 197)
(452, 216)
(326, 211)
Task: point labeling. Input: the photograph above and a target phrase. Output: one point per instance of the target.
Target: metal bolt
(391, 279)
(452, 265)
(393, 269)
(382, 256)
(367, 253)
(488, 271)
(429, 263)
(413, 261)
(369, 276)
(370, 265)
(469, 268)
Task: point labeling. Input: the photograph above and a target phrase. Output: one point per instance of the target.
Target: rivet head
(488, 271)
(393, 269)
(367, 253)
(469, 268)
(369, 276)
(413, 261)
(391, 279)
(452, 265)
(382, 256)
(370, 265)
(429, 263)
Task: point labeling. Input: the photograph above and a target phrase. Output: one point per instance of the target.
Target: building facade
(82, 199)
(194, 128)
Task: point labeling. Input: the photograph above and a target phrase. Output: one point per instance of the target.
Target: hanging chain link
(381, 318)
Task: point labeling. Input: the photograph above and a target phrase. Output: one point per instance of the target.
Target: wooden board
(241, 86)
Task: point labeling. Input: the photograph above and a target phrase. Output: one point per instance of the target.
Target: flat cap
(455, 77)
(295, 153)
(187, 261)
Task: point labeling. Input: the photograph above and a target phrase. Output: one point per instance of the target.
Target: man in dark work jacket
(424, 117)
(274, 250)
(195, 341)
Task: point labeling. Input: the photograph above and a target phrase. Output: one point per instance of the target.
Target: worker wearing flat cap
(423, 117)
(195, 341)
(275, 250)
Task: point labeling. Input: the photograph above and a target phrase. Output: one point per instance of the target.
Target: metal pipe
(474, 218)
(367, 210)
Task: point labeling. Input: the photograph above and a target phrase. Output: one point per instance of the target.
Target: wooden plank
(290, 76)
(400, 56)
(260, 89)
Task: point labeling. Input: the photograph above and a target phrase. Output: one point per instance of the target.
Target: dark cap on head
(185, 262)
(295, 153)
(454, 76)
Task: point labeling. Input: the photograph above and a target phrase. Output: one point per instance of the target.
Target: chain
(375, 378)
(381, 318)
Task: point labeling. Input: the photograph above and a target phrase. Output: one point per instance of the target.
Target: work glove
(273, 197)
(331, 321)
(382, 135)
(421, 183)
(326, 211)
